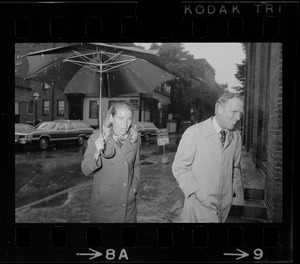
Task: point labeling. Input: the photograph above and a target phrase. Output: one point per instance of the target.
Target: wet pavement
(51, 188)
(40, 174)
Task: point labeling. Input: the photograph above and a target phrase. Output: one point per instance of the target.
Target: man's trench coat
(202, 164)
(113, 198)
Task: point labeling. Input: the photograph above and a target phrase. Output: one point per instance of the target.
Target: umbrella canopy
(76, 69)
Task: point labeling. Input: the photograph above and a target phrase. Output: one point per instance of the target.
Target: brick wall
(263, 120)
(274, 164)
(249, 94)
(23, 95)
(24, 90)
(260, 111)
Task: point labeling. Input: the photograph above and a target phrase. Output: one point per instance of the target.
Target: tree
(188, 93)
(241, 70)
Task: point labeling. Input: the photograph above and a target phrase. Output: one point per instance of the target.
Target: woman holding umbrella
(116, 179)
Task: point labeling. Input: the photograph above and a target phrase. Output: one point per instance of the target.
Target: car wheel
(43, 143)
(146, 137)
(80, 140)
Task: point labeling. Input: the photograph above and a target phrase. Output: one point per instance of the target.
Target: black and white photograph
(147, 132)
(129, 132)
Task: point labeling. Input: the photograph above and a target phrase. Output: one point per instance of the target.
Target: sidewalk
(160, 200)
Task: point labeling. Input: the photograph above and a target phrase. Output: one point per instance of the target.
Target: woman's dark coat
(113, 198)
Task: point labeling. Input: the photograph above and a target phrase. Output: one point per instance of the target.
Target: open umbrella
(86, 67)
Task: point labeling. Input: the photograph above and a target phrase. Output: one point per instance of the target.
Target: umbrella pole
(113, 153)
(100, 97)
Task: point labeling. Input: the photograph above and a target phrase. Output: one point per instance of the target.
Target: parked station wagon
(146, 130)
(20, 130)
(57, 131)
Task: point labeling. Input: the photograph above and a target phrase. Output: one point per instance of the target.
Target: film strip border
(190, 21)
(185, 20)
(147, 243)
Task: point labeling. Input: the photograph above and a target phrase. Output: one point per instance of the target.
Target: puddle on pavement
(52, 202)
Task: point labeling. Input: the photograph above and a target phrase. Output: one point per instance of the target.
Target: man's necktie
(223, 136)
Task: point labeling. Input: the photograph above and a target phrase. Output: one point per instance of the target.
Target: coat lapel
(127, 147)
(210, 133)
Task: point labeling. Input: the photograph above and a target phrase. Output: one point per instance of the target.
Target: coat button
(123, 205)
(109, 205)
(124, 184)
(111, 184)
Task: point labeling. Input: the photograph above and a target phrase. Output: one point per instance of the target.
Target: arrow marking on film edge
(96, 254)
(241, 255)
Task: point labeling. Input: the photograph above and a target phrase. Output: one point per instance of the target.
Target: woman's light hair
(107, 124)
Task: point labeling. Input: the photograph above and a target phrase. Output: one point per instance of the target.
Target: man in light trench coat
(205, 168)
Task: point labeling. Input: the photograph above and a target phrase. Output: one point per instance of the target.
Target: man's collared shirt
(217, 127)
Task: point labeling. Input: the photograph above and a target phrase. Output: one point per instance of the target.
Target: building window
(135, 103)
(93, 109)
(164, 89)
(46, 86)
(111, 102)
(18, 60)
(60, 107)
(30, 107)
(46, 107)
(167, 89)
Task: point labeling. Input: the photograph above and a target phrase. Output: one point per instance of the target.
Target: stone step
(254, 194)
(236, 219)
(253, 179)
(249, 209)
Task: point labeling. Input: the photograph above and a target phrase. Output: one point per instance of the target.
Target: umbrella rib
(86, 58)
(81, 55)
(41, 71)
(93, 64)
(106, 66)
(119, 64)
(86, 65)
(113, 57)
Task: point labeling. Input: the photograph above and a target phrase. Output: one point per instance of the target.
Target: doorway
(75, 106)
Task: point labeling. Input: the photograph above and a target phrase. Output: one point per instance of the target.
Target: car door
(72, 132)
(60, 132)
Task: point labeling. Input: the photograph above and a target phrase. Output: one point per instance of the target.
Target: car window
(46, 126)
(149, 125)
(81, 125)
(70, 126)
(61, 126)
